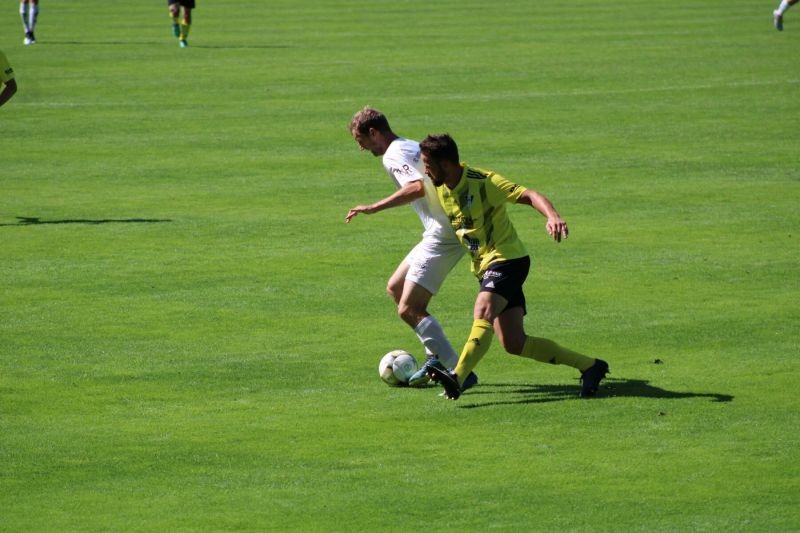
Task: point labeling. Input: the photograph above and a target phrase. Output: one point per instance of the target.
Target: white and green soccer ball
(396, 367)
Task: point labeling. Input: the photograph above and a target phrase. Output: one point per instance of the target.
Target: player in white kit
(420, 275)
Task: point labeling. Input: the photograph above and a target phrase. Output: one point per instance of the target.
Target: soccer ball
(396, 367)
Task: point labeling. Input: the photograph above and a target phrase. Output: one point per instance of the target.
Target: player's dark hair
(369, 118)
(441, 147)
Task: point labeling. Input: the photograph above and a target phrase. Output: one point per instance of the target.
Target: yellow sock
(547, 351)
(480, 338)
(184, 31)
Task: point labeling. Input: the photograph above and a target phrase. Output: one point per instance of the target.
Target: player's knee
(513, 344)
(394, 292)
(404, 311)
(483, 312)
(410, 314)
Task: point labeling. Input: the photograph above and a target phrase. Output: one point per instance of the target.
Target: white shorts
(430, 261)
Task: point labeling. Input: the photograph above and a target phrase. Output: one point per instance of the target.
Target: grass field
(190, 333)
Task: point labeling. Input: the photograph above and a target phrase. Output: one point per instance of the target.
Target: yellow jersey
(476, 210)
(6, 72)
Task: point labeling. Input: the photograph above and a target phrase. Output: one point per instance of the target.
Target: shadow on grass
(164, 42)
(97, 43)
(36, 221)
(610, 388)
(242, 46)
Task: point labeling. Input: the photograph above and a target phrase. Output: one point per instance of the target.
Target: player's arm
(8, 91)
(556, 226)
(409, 192)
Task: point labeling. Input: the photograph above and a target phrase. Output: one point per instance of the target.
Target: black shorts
(184, 3)
(506, 278)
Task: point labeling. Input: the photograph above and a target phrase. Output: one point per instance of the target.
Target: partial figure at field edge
(777, 15)
(7, 81)
(29, 12)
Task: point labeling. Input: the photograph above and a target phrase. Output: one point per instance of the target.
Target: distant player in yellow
(29, 12)
(777, 15)
(474, 201)
(181, 25)
(7, 81)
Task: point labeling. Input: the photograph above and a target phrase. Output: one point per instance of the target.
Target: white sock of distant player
(23, 13)
(433, 338)
(33, 12)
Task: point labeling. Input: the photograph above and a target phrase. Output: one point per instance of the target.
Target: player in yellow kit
(7, 81)
(181, 25)
(474, 201)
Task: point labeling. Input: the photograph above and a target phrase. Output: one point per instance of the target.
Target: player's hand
(557, 228)
(356, 210)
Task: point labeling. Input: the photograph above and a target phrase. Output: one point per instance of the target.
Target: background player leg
(33, 14)
(777, 15)
(186, 24)
(23, 14)
(174, 14)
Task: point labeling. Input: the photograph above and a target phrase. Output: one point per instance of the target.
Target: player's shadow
(163, 43)
(36, 221)
(97, 43)
(242, 46)
(610, 388)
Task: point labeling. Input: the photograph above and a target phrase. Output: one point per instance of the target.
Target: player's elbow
(527, 197)
(9, 90)
(513, 345)
(416, 189)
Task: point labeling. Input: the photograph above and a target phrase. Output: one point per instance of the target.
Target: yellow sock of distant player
(547, 351)
(184, 30)
(480, 338)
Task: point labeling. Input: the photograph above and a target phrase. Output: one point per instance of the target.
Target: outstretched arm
(404, 195)
(556, 226)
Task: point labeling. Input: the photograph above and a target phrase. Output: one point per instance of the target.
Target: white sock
(33, 12)
(433, 338)
(783, 7)
(23, 13)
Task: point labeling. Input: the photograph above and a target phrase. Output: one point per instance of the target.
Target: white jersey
(403, 162)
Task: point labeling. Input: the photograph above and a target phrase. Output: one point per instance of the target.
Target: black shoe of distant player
(591, 377)
(446, 379)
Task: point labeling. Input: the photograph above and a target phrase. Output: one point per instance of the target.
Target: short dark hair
(368, 118)
(441, 147)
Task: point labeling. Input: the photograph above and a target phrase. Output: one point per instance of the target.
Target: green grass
(189, 333)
